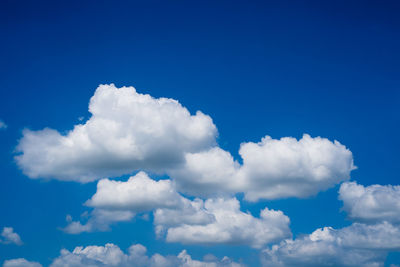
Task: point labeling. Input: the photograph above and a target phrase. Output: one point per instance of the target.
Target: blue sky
(277, 68)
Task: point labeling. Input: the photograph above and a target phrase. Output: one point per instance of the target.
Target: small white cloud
(10, 237)
(112, 255)
(372, 203)
(3, 125)
(140, 193)
(127, 131)
(355, 245)
(21, 262)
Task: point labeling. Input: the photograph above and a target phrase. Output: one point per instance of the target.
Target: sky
(199, 133)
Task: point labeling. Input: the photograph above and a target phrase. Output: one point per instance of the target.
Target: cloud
(10, 237)
(112, 255)
(232, 226)
(20, 263)
(99, 220)
(140, 193)
(3, 125)
(372, 203)
(127, 131)
(355, 245)
(214, 221)
(271, 169)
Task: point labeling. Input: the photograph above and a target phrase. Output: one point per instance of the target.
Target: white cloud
(271, 169)
(127, 131)
(232, 226)
(10, 237)
(372, 203)
(99, 220)
(140, 193)
(116, 201)
(355, 245)
(3, 125)
(112, 255)
(20, 263)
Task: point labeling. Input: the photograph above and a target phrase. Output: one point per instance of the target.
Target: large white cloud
(271, 169)
(20, 262)
(372, 203)
(126, 132)
(112, 255)
(355, 245)
(232, 226)
(8, 236)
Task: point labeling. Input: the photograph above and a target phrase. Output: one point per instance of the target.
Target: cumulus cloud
(10, 237)
(112, 255)
(355, 245)
(21, 262)
(99, 220)
(372, 203)
(127, 131)
(214, 221)
(232, 226)
(3, 125)
(140, 193)
(271, 169)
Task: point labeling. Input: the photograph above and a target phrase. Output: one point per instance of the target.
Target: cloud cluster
(372, 203)
(271, 169)
(8, 236)
(112, 255)
(214, 221)
(126, 132)
(129, 131)
(356, 245)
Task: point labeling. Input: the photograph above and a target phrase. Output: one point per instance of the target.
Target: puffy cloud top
(140, 193)
(372, 203)
(112, 255)
(126, 132)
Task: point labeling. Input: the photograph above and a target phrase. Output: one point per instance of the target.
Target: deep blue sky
(282, 68)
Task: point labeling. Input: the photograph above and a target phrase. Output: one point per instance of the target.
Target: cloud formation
(355, 245)
(271, 169)
(20, 262)
(127, 131)
(372, 203)
(112, 255)
(231, 226)
(8, 236)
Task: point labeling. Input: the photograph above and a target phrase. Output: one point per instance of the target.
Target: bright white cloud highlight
(232, 226)
(8, 236)
(112, 255)
(372, 203)
(140, 193)
(21, 262)
(271, 169)
(356, 245)
(127, 131)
